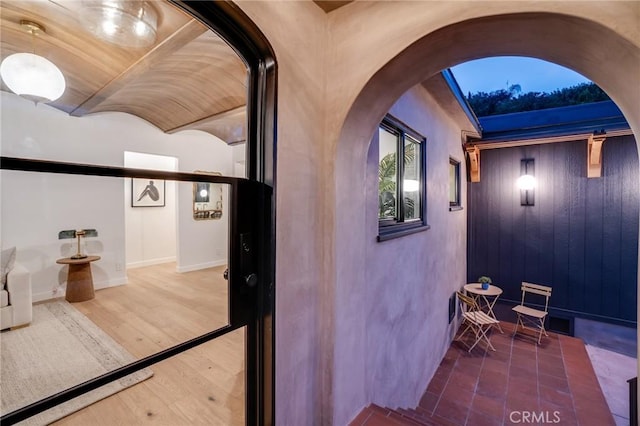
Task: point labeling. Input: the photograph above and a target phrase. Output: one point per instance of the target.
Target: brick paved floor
(519, 383)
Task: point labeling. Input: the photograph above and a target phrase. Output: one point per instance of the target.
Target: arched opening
(582, 45)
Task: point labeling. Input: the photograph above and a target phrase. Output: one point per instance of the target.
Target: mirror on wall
(207, 199)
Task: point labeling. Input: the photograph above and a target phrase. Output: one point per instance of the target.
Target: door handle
(251, 280)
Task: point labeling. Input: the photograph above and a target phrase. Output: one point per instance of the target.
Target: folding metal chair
(475, 321)
(533, 317)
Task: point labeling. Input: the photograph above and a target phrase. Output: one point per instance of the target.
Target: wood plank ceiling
(189, 78)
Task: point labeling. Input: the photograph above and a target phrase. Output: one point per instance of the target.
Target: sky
(533, 75)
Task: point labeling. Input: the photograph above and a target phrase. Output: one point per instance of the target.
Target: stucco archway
(583, 45)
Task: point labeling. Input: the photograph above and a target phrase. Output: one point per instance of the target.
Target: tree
(512, 100)
(387, 186)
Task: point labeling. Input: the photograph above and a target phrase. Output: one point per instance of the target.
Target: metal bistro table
(485, 299)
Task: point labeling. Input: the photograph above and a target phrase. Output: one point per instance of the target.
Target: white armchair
(16, 303)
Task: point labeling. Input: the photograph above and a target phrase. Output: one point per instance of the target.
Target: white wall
(239, 160)
(150, 231)
(35, 206)
(201, 243)
(410, 279)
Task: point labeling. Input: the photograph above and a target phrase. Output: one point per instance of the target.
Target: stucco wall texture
(338, 74)
(410, 279)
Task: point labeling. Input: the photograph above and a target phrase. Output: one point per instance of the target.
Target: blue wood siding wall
(580, 237)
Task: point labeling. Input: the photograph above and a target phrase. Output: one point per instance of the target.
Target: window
(400, 180)
(454, 185)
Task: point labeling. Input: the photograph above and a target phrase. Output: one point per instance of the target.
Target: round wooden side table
(79, 279)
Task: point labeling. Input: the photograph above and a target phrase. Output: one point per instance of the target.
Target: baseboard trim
(42, 296)
(110, 283)
(197, 267)
(150, 262)
(58, 293)
(565, 313)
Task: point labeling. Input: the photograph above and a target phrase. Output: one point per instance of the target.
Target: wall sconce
(201, 193)
(527, 182)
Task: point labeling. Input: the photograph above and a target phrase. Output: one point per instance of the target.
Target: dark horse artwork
(151, 191)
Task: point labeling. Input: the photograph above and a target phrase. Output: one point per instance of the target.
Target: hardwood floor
(156, 310)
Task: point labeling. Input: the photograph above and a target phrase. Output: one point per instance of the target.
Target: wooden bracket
(474, 162)
(594, 155)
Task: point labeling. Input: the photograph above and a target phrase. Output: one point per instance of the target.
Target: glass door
(189, 94)
(224, 302)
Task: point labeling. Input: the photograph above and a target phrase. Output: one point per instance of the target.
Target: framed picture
(147, 193)
(207, 199)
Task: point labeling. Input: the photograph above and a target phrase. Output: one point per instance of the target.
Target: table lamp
(77, 233)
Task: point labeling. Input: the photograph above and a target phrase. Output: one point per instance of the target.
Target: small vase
(485, 286)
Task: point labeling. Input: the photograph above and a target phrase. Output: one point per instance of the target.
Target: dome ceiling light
(32, 76)
(127, 23)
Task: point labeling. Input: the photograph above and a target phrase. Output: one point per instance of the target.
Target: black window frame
(457, 204)
(398, 226)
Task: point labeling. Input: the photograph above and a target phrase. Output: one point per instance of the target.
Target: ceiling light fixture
(127, 23)
(32, 76)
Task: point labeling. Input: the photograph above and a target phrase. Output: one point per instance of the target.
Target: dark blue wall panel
(580, 237)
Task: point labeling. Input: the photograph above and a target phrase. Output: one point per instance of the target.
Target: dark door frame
(229, 22)
(233, 25)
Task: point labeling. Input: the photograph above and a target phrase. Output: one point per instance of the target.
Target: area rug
(61, 348)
